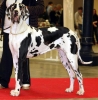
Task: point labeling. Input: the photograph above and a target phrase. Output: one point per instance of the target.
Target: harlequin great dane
(26, 41)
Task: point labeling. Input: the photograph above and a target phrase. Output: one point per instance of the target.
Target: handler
(35, 7)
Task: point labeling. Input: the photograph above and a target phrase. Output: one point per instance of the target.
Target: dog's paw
(80, 92)
(14, 93)
(69, 90)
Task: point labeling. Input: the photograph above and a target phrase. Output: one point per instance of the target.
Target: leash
(18, 33)
(7, 28)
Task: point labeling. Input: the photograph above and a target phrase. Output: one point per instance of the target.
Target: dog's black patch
(33, 48)
(32, 52)
(35, 55)
(68, 35)
(49, 37)
(38, 40)
(36, 29)
(52, 46)
(31, 44)
(24, 46)
(74, 47)
(57, 46)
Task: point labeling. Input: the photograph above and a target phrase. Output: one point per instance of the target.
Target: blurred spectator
(53, 16)
(61, 19)
(49, 7)
(59, 9)
(44, 15)
(78, 17)
(59, 14)
(79, 20)
(95, 26)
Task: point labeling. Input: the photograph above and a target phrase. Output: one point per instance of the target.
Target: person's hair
(59, 5)
(49, 3)
(80, 8)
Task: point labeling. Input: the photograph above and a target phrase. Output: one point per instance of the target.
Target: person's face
(94, 11)
(80, 12)
(55, 9)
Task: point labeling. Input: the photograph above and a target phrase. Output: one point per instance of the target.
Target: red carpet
(52, 88)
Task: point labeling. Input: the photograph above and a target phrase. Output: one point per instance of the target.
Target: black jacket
(95, 18)
(35, 7)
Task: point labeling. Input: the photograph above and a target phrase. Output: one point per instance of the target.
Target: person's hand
(27, 7)
(94, 23)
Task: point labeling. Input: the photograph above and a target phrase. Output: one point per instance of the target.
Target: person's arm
(2, 8)
(38, 9)
(95, 21)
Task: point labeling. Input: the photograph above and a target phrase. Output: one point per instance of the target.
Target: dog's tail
(83, 62)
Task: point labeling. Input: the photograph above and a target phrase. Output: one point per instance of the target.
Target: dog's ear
(25, 13)
(8, 12)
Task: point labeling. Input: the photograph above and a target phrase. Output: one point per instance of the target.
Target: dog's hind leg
(67, 66)
(73, 60)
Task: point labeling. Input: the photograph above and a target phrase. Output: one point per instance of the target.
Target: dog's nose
(16, 12)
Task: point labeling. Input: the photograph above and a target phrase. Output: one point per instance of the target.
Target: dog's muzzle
(15, 16)
(15, 13)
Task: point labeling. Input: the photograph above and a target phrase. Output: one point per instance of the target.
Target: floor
(48, 69)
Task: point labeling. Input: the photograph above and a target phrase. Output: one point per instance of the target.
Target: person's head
(54, 8)
(80, 10)
(94, 11)
(59, 7)
(50, 3)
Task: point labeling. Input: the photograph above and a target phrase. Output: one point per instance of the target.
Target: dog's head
(16, 11)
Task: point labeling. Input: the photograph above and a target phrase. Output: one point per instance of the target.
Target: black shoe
(1, 87)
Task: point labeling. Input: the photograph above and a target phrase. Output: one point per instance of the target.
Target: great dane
(28, 41)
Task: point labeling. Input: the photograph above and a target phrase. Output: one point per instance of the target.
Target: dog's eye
(20, 7)
(13, 7)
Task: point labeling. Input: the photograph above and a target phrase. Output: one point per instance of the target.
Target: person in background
(49, 8)
(79, 20)
(44, 15)
(35, 7)
(59, 9)
(61, 23)
(59, 14)
(95, 27)
(53, 15)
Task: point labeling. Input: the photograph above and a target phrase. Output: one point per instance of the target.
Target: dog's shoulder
(53, 33)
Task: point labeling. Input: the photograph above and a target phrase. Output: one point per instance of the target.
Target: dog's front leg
(16, 91)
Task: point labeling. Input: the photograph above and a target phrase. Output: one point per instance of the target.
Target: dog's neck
(18, 28)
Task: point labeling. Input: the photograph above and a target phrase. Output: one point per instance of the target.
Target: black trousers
(95, 32)
(6, 65)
